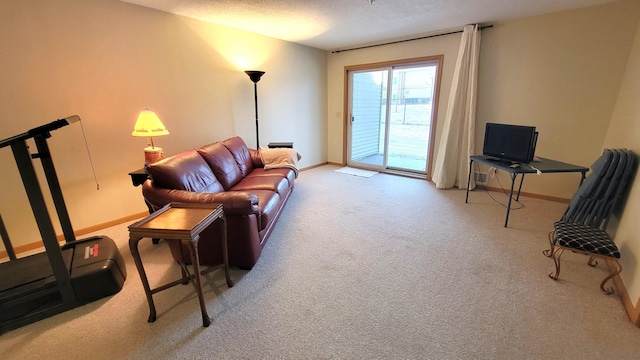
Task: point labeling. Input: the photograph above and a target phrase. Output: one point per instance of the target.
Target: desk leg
(520, 187)
(513, 180)
(133, 246)
(197, 276)
(466, 199)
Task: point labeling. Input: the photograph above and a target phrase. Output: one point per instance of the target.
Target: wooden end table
(184, 223)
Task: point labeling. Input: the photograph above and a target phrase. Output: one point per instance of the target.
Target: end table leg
(466, 199)
(225, 251)
(197, 278)
(185, 273)
(133, 246)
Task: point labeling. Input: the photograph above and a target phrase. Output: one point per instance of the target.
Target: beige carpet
(385, 267)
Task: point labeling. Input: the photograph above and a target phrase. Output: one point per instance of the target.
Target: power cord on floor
(521, 205)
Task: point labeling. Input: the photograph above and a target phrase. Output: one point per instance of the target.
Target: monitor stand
(501, 161)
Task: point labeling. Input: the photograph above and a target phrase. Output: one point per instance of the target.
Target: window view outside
(409, 112)
(410, 117)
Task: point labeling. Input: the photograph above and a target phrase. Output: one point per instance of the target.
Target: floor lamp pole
(255, 96)
(255, 76)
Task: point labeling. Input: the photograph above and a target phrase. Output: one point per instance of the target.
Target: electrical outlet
(481, 177)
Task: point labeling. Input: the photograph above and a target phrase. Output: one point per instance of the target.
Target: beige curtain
(457, 141)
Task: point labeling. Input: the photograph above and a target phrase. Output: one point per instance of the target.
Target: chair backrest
(624, 182)
(580, 198)
(597, 197)
(599, 213)
(605, 186)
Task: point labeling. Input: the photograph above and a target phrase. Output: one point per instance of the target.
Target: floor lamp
(255, 76)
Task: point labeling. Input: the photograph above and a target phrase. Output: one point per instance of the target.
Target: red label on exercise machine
(91, 251)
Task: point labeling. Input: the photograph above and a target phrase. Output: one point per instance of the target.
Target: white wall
(106, 60)
(624, 132)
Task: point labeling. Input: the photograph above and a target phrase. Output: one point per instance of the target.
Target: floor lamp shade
(255, 76)
(149, 125)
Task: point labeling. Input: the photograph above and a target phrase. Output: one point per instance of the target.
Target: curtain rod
(401, 41)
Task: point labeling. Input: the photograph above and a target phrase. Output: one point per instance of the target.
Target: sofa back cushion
(238, 148)
(222, 164)
(184, 171)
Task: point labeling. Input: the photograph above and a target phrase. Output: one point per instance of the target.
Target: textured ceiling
(339, 24)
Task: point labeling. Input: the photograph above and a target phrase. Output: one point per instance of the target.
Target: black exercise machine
(63, 277)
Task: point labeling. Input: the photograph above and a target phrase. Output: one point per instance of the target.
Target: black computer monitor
(514, 143)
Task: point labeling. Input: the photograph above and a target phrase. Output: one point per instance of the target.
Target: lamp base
(153, 154)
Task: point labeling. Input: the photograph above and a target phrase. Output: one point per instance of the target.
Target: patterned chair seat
(585, 238)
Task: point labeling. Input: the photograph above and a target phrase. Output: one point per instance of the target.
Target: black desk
(138, 177)
(543, 165)
(273, 145)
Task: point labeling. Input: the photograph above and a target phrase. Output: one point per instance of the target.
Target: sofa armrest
(256, 159)
(233, 202)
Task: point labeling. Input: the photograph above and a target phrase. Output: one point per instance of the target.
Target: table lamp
(149, 125)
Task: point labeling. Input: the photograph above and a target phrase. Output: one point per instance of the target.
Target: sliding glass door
(390, 117)
(368, 116)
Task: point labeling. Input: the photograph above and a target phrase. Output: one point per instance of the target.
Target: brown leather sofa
(229, 173)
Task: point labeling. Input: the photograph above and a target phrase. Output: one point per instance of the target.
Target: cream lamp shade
(149, 125)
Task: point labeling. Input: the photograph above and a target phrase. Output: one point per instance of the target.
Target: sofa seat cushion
(222, 163)
(268, 202)
(240, 152)
(184, 171)
(273, 183)
(289, 174)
